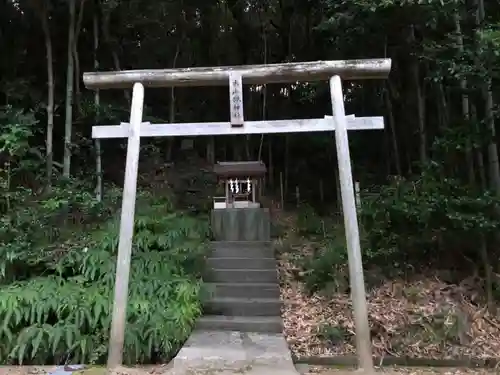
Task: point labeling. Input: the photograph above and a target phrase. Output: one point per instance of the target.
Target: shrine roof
(240, 169)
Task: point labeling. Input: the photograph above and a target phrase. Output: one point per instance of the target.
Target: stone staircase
(243, 287)
(242, 329)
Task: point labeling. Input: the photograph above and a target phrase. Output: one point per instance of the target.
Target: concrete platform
(234, 352)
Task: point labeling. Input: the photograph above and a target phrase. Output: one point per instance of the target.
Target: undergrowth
(57, 279)
(408, 225)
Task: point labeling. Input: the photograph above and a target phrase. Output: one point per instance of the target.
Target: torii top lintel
(251, 74)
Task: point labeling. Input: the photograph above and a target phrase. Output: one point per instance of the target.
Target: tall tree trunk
(172, 109)
(76, 57)
(392, 125)
(419, 98)
(264, 93)
(106, 35)
(494, 172)
(465, 105)
(287, 164)
(444, 118)
(50, 98)
(270, 162)
(98, 152)
(68, 123)
(493, 164)
(479, 151)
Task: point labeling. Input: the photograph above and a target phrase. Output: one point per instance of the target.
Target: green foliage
(17, 127)
(56, 295)
(333, 334)
(325, 267)
(405, 221)
(429, 212)
(309, 222)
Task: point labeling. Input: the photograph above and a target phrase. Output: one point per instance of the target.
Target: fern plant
(60, 311)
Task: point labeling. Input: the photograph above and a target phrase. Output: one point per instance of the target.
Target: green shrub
(309, 222)
(325, 267)
(417, 218)
(59, 308)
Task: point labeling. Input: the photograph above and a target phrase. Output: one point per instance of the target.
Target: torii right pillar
(356, 277)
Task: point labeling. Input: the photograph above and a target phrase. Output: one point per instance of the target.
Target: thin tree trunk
(415, 72)
(493, 164)
(394, 138)
(264, 93)
(98, 152)
(443, 107)
(172, 109)
(76, 57)
(50, 99)
(494, 172)
(287, 154)
(114, 55)
(488, 274)
(479, 150)
(465, 106)
(68, 124)
(270, 161)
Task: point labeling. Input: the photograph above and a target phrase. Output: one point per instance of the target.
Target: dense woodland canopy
(430, 181)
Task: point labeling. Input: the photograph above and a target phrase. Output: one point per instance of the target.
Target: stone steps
(243, 288)
(243, 306)
(232, 263)
(242, 249)
(242, 276)
(261, 324)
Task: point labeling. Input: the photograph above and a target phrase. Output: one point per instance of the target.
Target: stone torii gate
(235, 77)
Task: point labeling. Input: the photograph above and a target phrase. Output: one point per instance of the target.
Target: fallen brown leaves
(423, 318)
(405, 371)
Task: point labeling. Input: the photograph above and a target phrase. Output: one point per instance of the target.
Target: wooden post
(358, 195)
(321, 191)
(282, 194)
(337, 190)
(119, 318)
(236, 99)
(363, 340)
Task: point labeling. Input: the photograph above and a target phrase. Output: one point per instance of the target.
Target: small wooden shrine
(238, 216)
(242, 184)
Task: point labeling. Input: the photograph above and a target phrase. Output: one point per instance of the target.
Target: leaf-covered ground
(424, 318)
(419, 317)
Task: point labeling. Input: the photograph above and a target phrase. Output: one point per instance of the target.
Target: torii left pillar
(119, 317)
